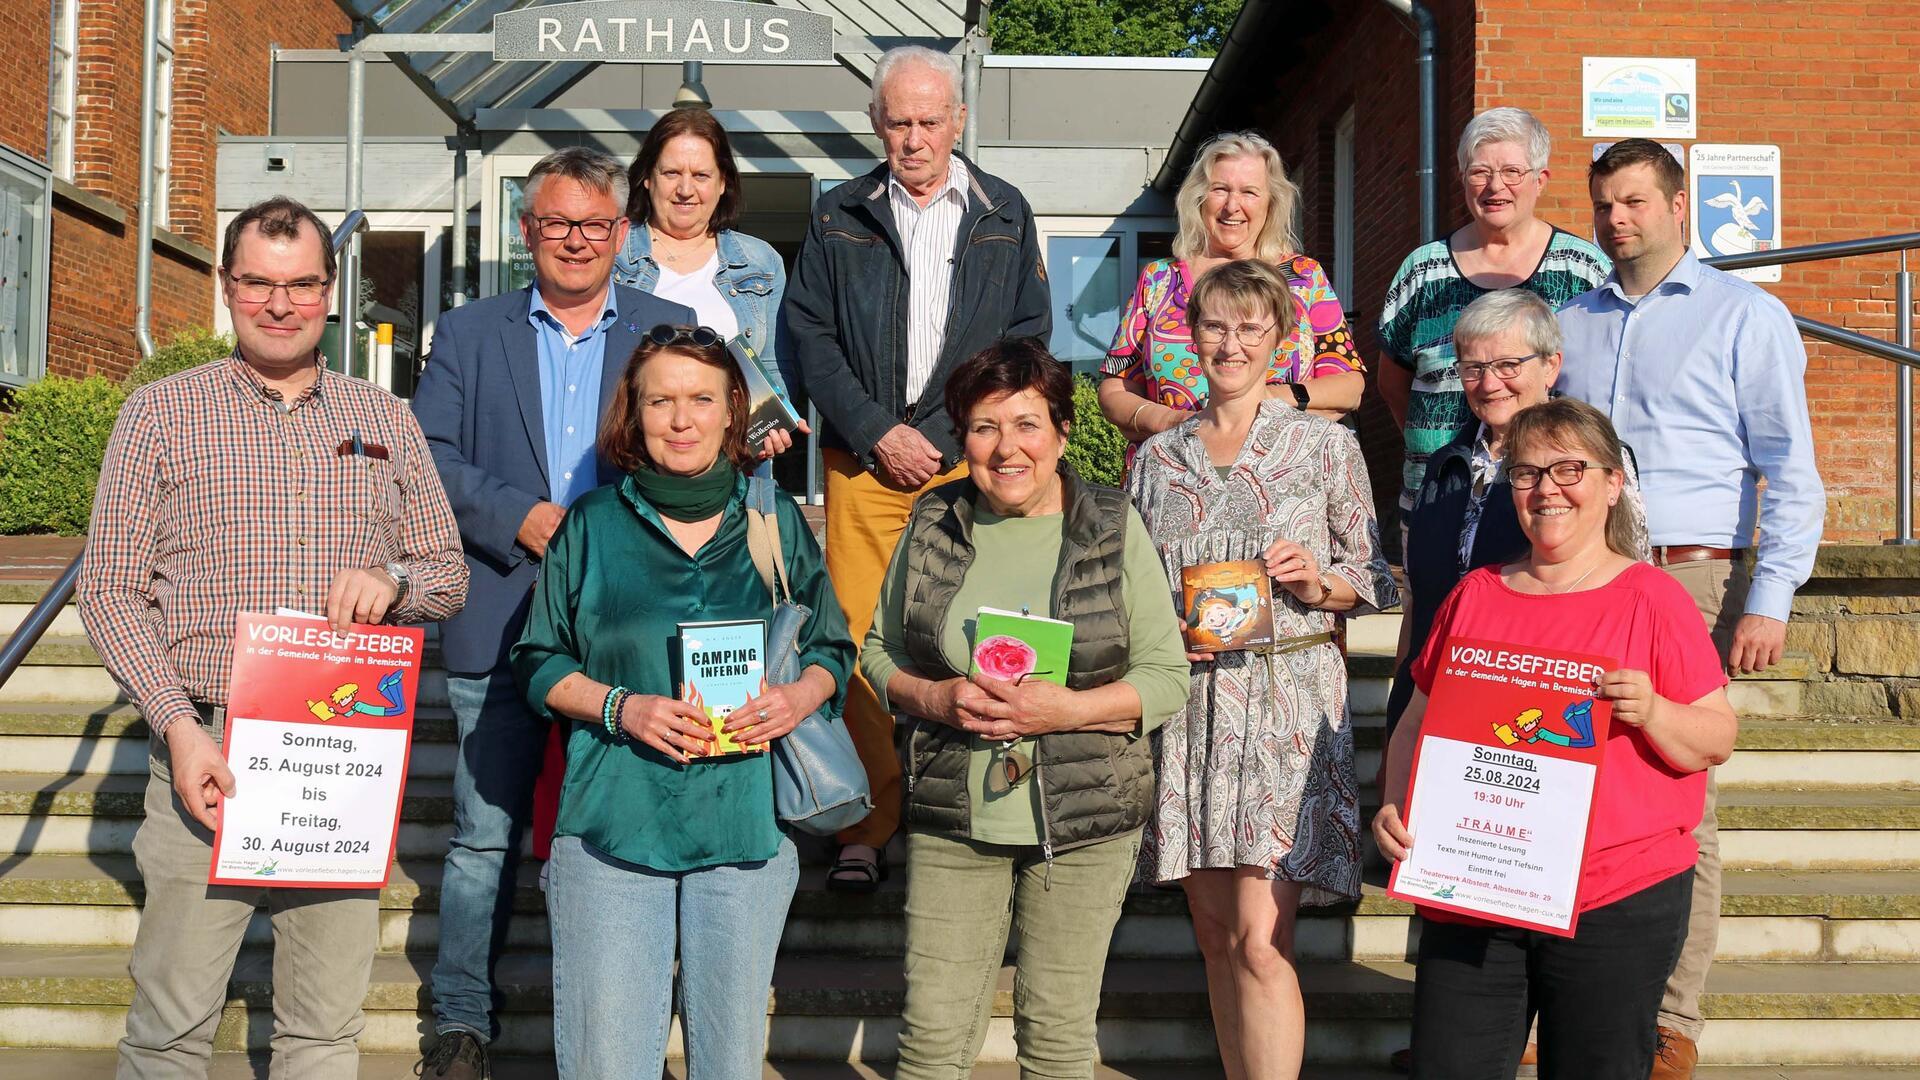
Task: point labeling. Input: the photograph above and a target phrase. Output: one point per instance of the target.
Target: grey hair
(591, 168)
(908, 55)
(1509, 309)
(1279, 234)
(1506, 124)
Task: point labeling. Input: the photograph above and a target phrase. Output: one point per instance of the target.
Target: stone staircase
(1819, 951)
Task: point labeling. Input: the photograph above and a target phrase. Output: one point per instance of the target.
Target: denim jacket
(751, 277)
(847, 307)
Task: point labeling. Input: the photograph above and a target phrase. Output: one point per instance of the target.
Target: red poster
(1501, 797)
(319, 733)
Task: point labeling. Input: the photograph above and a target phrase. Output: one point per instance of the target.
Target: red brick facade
(222, 72)
(1835, 85)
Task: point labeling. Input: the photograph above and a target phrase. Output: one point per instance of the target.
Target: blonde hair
(1279, 235)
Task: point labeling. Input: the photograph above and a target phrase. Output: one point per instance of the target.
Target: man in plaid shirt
(252, 483)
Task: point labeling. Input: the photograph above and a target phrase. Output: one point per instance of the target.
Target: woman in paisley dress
(1257, 811)
(1236, 203)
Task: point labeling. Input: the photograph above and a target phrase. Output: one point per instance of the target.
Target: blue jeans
(615, 928)
(502, 746)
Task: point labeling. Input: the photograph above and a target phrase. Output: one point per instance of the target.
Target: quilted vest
(1093, 785)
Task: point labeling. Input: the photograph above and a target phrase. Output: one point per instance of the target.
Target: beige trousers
(190, 933)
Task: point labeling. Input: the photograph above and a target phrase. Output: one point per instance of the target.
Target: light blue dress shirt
(1705, 377)
(570, 397)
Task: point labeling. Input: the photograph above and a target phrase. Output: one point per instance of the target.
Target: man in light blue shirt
(1704, 377)
(570, 373)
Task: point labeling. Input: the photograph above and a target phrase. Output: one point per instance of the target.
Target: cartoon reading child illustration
(1220, 613)
(1526, 727)
(345, 700)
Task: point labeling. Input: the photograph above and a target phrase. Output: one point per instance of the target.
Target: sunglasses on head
(705, 337)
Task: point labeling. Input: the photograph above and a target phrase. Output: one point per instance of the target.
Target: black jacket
(846, 307)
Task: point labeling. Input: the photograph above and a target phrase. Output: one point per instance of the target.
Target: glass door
(1085, 272)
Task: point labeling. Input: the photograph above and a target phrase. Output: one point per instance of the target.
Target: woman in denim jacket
(685, 197)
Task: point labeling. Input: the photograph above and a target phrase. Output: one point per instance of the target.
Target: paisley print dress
(1258, 771)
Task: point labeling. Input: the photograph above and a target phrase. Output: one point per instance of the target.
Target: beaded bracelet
(610, 710)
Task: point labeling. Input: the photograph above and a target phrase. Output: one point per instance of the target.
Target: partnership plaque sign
(664, 31)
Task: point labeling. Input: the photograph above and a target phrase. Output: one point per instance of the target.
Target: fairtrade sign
(664, 31)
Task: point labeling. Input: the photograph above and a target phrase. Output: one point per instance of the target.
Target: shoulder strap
(763, 538)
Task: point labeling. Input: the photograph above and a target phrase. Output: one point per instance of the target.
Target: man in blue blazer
(510, 403)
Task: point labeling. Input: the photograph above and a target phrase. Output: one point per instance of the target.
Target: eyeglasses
(1565, 473)
(1213, 333)
(594, 230)
(705, 337)
(255, 290)
(1506, 368)
(1014, 769)
(1481, 175)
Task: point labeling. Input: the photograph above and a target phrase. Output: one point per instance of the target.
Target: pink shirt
(1644, 810)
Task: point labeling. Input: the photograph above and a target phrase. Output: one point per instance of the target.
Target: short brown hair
(1571, 422)
(699, 123)
(1009, 366)
(1666, 170)
(1247, 283)
(279, 218)
(624, 444)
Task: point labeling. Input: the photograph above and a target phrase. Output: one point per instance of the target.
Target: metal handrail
(34, 626)
(1900, 352)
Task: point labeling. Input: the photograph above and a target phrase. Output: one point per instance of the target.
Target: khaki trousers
(1719, 590)
(865, 519)
(962, 898)
(190, 932)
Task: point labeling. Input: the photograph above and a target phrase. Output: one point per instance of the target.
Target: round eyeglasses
(705, 337)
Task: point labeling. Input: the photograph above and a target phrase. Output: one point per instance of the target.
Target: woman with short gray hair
(1503, 159)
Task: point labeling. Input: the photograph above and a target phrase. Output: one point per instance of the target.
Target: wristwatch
(399, 575)
(1300, 398)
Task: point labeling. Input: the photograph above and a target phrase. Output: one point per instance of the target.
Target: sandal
(856, 875)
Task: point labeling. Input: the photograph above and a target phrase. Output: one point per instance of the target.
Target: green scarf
(688, 498)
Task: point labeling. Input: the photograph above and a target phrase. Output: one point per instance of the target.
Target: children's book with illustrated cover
(1013, 645)
(722, 667)
(768, 410)
(1226, 606)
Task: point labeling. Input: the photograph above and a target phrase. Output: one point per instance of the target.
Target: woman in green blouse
(657, 851)
(1024, 799)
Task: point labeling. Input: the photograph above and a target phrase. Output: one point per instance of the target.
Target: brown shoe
(1673, 1055)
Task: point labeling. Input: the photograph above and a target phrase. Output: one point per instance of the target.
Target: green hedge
(1095, 448)
(50, 451)
(189, 348)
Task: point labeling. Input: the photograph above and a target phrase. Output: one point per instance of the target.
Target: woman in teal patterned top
(658, 852)
(1503, 157)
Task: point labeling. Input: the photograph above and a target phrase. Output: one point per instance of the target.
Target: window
(60, 104)
(1343, 208)
(25, 190)
(163, 117)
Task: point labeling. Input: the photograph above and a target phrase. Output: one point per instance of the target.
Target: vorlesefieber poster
(1501, 795)
(319, 731)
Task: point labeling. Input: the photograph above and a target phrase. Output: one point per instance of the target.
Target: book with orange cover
(1226, 606)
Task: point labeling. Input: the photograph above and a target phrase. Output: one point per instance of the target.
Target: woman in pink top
(1578, 589)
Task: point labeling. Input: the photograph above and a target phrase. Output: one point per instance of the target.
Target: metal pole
(1903, 438)
(143, 240)
(356, 149)
(970, 64)
(457, 236)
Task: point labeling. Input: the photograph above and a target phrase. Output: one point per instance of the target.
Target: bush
(50, 450)
(189, 348)
(1095, 448)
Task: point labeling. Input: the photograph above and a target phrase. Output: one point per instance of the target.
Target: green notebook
(1011, 646)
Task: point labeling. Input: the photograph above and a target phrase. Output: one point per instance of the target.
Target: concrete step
(842, 1009)
(99, 1065)
(92, 901)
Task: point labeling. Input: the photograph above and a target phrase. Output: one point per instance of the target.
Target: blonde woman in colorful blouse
(1236, 203)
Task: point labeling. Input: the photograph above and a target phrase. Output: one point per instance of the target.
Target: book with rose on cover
(1013, 645)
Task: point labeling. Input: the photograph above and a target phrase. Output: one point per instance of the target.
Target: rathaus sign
(669, 31)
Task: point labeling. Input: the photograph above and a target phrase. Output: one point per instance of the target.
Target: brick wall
(222, 70)
(1837, 87)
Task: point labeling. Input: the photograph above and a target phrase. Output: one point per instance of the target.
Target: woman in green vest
(1257, 811)
(1025, 795)
(662, 848)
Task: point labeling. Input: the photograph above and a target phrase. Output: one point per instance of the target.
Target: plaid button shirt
(217, 496)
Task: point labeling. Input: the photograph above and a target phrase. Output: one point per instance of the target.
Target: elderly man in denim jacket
(906, 272)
